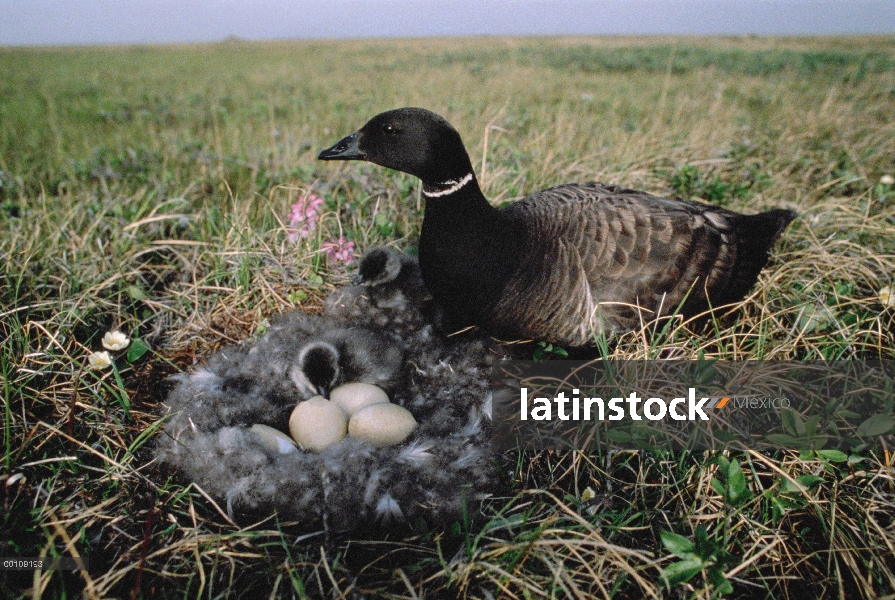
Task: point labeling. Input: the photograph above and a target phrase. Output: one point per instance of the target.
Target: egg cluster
(360, 410)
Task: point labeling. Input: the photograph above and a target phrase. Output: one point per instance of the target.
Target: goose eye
(389, 129)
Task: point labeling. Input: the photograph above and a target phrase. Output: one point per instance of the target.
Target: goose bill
(344, 149)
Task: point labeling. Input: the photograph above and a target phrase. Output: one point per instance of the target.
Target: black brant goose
(567, 263)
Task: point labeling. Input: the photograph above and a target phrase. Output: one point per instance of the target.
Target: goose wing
(603, 258)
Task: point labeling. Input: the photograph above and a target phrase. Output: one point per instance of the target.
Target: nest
(380, 331)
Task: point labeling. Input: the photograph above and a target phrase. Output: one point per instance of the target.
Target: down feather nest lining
(381, 332)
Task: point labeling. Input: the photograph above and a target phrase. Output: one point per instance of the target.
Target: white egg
(382, 424)
(272, 440)
(318, 423)
(354, 396)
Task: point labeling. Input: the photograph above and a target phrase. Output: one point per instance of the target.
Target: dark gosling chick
(316, 369)
(564, 264)
(387, 291)
(356, 354)
(392, 278)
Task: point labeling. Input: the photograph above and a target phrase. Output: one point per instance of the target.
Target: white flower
(588, 494)
(100, 360)
(887, 297)
(115, 340)
(887, 180)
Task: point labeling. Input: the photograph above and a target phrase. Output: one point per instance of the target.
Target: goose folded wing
(640, 256)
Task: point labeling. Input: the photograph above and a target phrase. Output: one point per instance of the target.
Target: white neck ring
(455, 185)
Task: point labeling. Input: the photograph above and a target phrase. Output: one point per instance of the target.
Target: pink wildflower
(339, 249)
(303, 232)
(303, 218)
(305, 209)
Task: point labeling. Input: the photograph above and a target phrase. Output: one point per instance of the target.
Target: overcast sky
(40, 22)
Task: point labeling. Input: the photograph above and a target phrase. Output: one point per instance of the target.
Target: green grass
(148, 189)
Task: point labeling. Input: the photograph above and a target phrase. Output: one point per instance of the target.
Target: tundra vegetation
(167, 192)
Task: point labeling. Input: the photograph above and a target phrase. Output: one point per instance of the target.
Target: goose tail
(756, 235)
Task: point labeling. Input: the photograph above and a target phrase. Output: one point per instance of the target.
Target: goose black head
(412, 140)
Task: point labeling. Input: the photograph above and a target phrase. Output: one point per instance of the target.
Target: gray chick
(393, 279)
(340, 356)
(387, 291)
